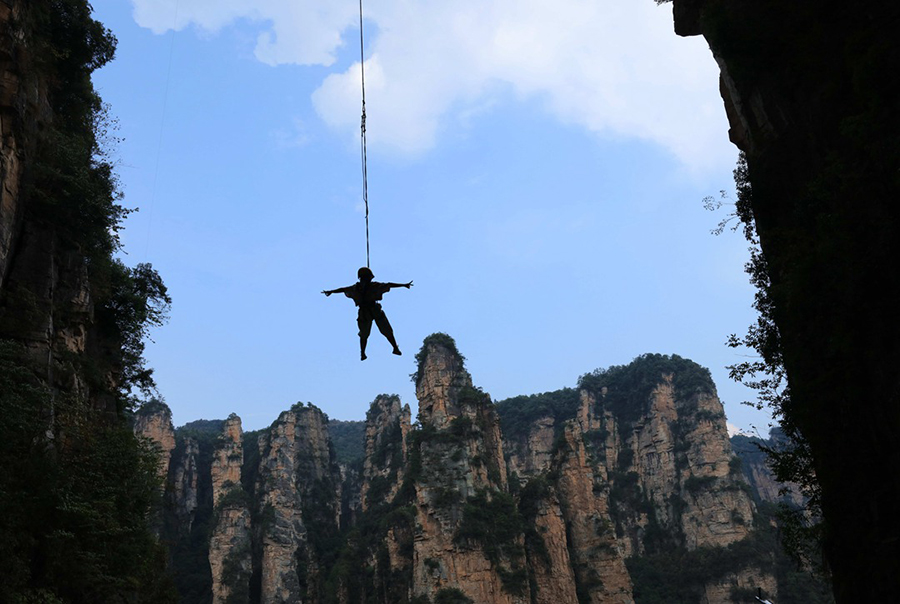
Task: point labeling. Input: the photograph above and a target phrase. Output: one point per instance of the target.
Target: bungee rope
(362, 128)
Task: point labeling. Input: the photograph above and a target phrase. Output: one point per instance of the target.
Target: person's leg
(384, 326)
(364, 321)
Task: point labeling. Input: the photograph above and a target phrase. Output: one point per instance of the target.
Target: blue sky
(538, 172)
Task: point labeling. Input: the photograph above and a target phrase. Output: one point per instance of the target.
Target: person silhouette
(366, 293)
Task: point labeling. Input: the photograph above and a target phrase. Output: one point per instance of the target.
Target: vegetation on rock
(75, 506)
(625, 389)
(812, 105)
(349, 441)
(435, 339)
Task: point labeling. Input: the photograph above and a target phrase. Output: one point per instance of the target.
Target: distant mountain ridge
(624, 489)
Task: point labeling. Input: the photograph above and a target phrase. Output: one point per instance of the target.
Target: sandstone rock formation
(562, 498)
(185, 483)
(298, 487)
(154, 421)
(460, 462)
(387, 429)
(229, 546)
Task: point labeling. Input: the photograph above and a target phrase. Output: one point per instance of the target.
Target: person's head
(365, 274)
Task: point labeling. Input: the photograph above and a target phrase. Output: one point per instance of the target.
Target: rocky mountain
(625, 489)
(811, 96)
(751, 450)
(76, 486)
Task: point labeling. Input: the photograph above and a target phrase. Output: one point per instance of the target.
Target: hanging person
(365, 294)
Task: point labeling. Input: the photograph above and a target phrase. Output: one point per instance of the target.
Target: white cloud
(305, 32)
(614, 67)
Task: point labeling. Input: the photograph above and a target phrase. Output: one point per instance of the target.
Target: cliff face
(811, 98)
(680, 448)
(154, 422)
(77, 502)
(24, 107)
(587, 495)
(460, 465)
(633, 479)
(754, 465)
(229, 545)
(384, 463)
(45, 292)
(298, 492)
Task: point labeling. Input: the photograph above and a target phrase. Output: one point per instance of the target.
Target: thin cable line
(362, 128)
(162, 124)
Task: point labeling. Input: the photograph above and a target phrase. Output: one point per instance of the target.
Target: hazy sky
(536, 168)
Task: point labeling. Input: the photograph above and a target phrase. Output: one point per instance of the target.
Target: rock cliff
(77, 504)
(229, 546)
(595, 494)
(765, 487)
(384, 462)
(462, 540)
(154, 422)
(810, 92)
(298, 495)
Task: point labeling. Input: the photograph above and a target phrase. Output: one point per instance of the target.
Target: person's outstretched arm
(340, 290)
(393, 285)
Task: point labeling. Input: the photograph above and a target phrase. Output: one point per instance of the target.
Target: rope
(362, 128)
(162, 124)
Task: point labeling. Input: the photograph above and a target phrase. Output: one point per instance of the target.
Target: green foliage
(134, 300)
(349, 441)
(323, 537)
(432, 564)
(535, 491)
(519, 413)
(205, 431)
(250, 467)
(236, 577)
(679, 576)
(705, 415)
(626, 497)
(152, 407)
(628, 387)
(625, 459)
(460, 428)
(379, 487)
(74, 515)
(471, 396)
(76, 504)
(234, 497)
(791, 459)
(492, 519)
(695, 484)
(72, 191)
(446, 497)
(451, 595)
(435, 339)
(189, 547)
(352, 573)
(74, 186)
